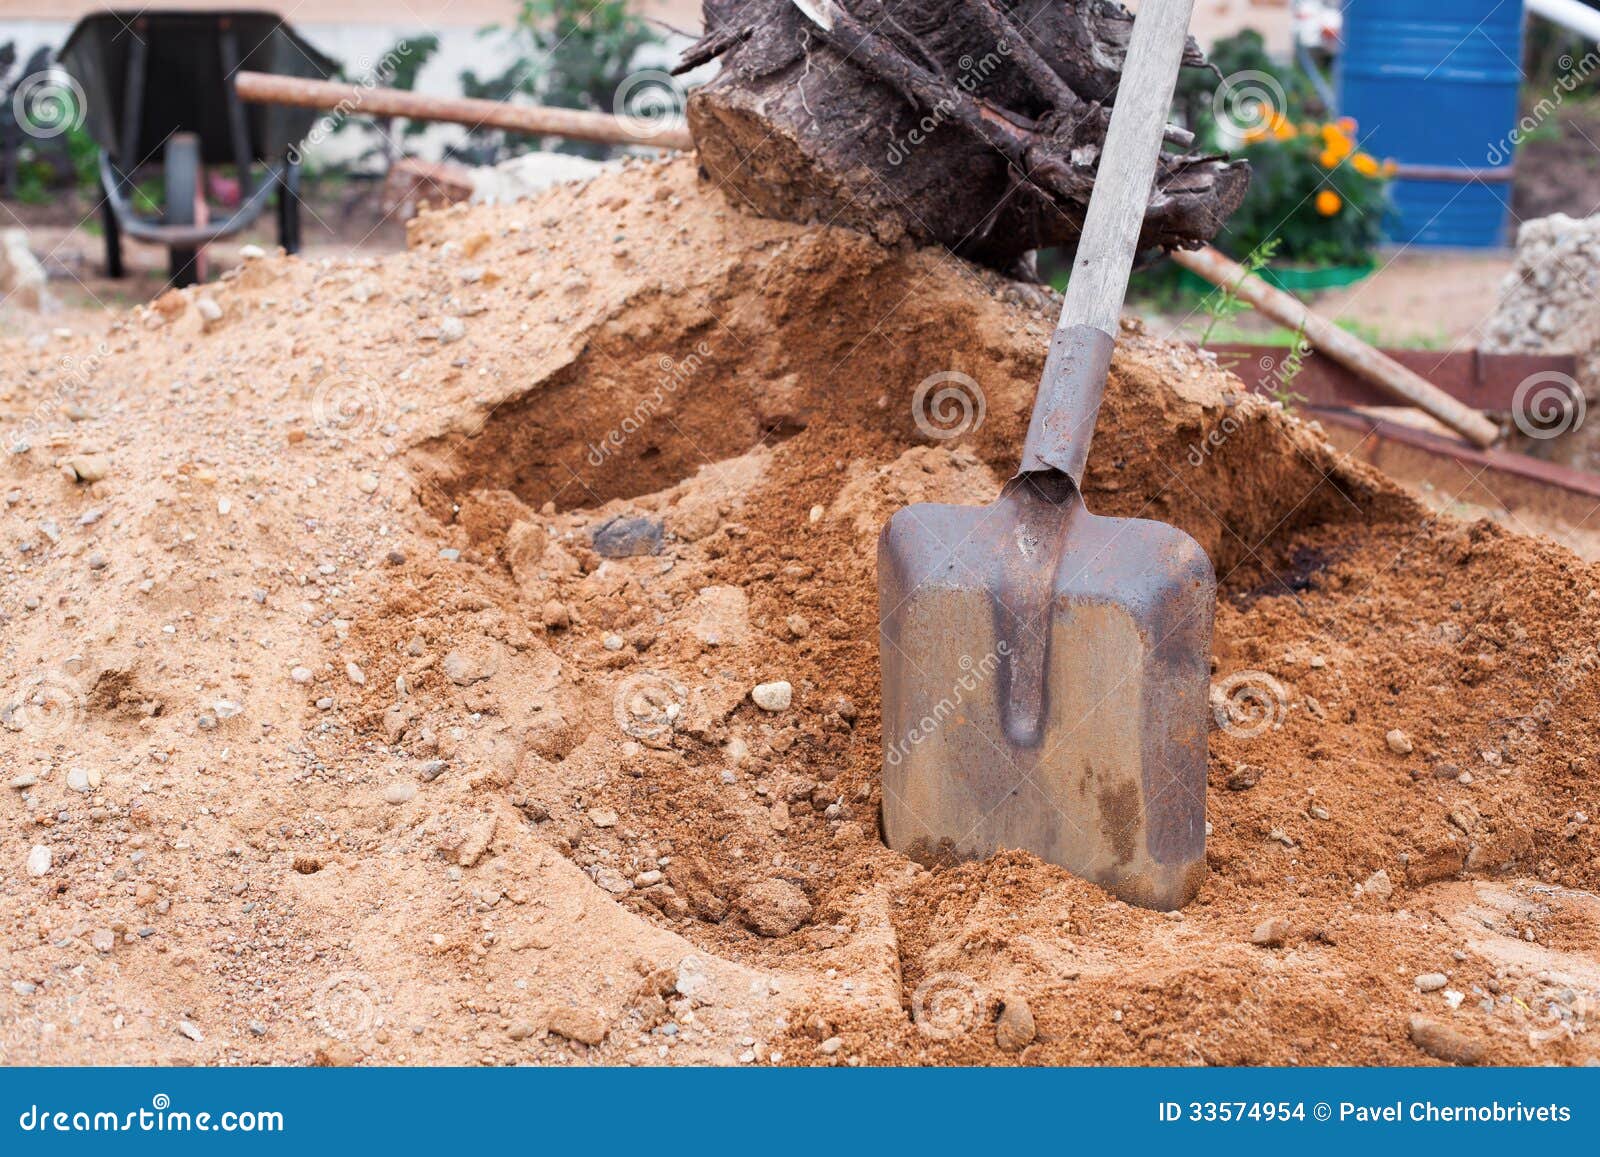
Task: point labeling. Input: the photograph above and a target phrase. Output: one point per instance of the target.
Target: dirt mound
(393, 696)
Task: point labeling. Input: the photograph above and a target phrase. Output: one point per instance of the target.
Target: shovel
(1045, 670)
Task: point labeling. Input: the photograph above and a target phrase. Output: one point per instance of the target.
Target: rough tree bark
(974, 124)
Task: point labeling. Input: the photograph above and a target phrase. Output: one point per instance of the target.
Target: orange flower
(1365, 165)
(1390, 168)
(1329, 159)
(1328, 203)
(1347, 125)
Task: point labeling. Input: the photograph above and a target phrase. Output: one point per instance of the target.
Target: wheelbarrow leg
(113, 234)
(182, 179)
(289, 207)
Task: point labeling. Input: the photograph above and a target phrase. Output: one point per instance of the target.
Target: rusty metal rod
(535, 120)
(1340, 345)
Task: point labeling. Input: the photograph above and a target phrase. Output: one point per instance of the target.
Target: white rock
(83, 779)
(301, 674)
(355, 674)
(39, 860)
(400, 792)
(692, 978)
(773, 696)
(1399, 742)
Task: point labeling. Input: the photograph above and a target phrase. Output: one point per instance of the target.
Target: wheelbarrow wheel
(181, 163)
(112, 228)
(289, 207)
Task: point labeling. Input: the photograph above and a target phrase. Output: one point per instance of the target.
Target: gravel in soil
(470, 656)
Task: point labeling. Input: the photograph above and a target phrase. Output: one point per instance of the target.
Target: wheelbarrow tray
(183, 83)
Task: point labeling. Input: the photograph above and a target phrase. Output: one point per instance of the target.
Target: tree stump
(972, 124)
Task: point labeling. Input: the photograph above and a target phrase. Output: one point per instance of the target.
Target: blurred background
(1397, 145)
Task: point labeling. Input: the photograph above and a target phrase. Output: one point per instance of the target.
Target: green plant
(567, 53)
(1225, 303)
(1313, 191)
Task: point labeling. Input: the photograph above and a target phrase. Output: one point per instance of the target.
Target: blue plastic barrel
(1433, 85)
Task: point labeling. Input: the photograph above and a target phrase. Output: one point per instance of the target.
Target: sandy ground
(337, 729)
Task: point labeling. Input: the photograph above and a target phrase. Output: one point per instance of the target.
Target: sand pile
(382, 644)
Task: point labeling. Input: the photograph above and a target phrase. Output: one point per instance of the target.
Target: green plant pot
(1295, 278)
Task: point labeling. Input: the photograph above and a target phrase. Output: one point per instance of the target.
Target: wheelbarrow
(158, 92)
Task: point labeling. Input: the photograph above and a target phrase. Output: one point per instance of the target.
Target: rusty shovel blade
(1045, 674)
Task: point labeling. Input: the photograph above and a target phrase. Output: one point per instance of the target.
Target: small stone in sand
(1399, 742)
(400, 792)
(773, 696)
(1444, 1043)
(774, 908)
(1015, 1030)
(39, 859)
(1271, 932)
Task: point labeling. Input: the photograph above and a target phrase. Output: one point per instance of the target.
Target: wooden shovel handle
(1068, 402)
